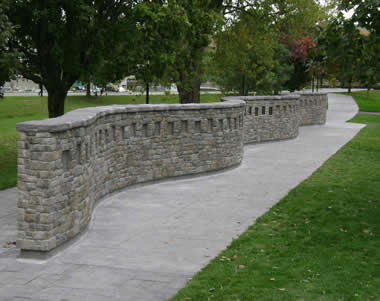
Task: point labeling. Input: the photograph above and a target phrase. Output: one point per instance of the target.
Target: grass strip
(367, 103)
(321, 242)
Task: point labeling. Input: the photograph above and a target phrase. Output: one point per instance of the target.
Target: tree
(6, 58)
(342, 42)
(296, 21)
(369, 61)
(317, 64)
(264, 46)
(248, 56)
(160, 30)
(203, 18)
(297, 18)
(366, 13)
(299, 55)
(282, 69)
(59, 41)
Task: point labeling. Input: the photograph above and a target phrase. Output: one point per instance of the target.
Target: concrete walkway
(145, 243)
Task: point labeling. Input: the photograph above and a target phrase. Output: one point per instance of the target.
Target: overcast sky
(346, 14)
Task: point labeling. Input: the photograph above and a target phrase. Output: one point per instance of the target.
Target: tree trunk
(317, 82)
(312, 83)
(88, 90)
(190, 95)
(189, 85)
(243, 87)
(56, 102)
(349, 85)
(41, 89)
(147, 93)
(241, 92)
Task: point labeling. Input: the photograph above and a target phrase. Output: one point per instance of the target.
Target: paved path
(144, 243)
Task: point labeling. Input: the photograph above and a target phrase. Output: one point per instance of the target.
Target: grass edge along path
(320, 242)
(370, 103)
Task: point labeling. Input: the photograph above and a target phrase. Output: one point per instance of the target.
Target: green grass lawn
(16, 109)
(321, 242)
(367, 104)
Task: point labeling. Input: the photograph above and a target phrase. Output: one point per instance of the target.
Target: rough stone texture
(66, 164)
(270, 118)
(279, 117)
(312, 108)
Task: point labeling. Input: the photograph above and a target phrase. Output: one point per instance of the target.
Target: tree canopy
(264, 46)
(244, 45)
(58, 41)
(366, 13)
(348, 51)
(159, 32)
(6, 57)
(203, 18)
(248, 56)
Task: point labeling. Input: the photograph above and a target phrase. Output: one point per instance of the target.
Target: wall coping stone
(262, 98)
(87, 116)
(312, 93)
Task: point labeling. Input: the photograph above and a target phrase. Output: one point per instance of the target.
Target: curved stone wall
(312, 108)
(66, 164)
(269, 117)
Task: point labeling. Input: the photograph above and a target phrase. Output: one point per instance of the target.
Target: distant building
(21, 84)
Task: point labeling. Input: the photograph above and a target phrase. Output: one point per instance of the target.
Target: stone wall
(312, 108)
(269, 117)
(68, 163)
